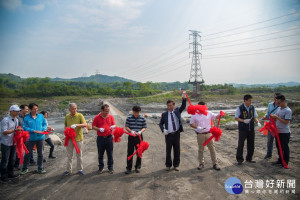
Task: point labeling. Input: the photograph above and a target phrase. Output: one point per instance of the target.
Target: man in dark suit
(171, 125)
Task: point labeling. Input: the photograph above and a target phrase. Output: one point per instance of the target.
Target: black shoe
(277, 163)
(137, 171)
(251, 161)
(17, 168)
(14, 176)
(44, 160)
(216, 167)
(240, 162)
(201, 166)
(128, 171)
(268, 157)
(52, 157)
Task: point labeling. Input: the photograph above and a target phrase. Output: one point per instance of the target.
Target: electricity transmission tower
(196, 77)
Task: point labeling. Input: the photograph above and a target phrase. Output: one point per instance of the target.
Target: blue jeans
(102, 145)
(40, 148)
(270, 144)
(7, 161)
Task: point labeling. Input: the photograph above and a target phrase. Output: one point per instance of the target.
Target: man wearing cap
(20, 117)
(75, 121)
(8, 150)
(104, 124)
(36, 124)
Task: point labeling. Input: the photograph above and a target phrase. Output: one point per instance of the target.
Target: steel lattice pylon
(196, 77)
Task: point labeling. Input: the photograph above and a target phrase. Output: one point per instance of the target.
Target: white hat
(14, 108)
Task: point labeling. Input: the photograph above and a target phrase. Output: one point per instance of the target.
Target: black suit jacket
(177, 111)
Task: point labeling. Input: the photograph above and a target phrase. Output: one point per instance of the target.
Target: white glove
(166, 132)
(73, 126)
(183, 95)
(139, 133)
(101, 130)
(199, 128)
(247, 121)
(259, 125)
(133, 132)
(112, 127)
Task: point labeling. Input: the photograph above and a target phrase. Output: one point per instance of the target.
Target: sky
(242, 41)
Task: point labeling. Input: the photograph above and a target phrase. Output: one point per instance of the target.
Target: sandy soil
(154, 182)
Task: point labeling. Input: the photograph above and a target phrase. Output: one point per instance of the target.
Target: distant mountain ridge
(100, 78)
(272, 85)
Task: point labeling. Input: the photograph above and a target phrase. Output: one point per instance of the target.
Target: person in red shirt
(104, 124)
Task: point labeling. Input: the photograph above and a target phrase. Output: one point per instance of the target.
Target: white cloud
(38, 7)
(108, 15)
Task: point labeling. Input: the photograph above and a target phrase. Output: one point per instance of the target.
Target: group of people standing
(35, 123)
(170, 124)
(246, 116)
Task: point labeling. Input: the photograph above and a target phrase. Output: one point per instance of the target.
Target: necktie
(173, 122)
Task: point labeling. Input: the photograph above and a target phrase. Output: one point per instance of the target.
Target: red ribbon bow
(215, 131)
(118, 132)
(19, 138)
(143, 146)
(271, 126)
(71, 134)
(193, 109)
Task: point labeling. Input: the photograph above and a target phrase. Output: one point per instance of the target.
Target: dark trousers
(49, 141)
(173, 140)
(40, 148)
(131, 146)
(17, 162)
(243, 135)
(7, 161)
(284, 141)
(270, 144)
(105, 144)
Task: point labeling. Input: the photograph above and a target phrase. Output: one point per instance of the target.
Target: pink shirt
(203, 121)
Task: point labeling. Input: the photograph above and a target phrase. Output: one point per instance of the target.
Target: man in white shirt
(202, 125)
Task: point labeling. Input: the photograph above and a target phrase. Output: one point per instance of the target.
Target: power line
(253, 29)
(255, 36)
(164, 68)
(134, 68)
(252, 50)
(252, 24)
(254, 53)
(157, 63)
(253, 41)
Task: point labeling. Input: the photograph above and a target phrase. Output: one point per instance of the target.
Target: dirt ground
(154, 182)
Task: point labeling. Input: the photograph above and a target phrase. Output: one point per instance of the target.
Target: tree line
(45, 87)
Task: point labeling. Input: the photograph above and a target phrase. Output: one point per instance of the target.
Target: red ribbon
(118, 132)
(193, 109)
(271, 126)
(71, 134)
(45, 132)
(143, 146)
(19, 138)
(215, 131)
